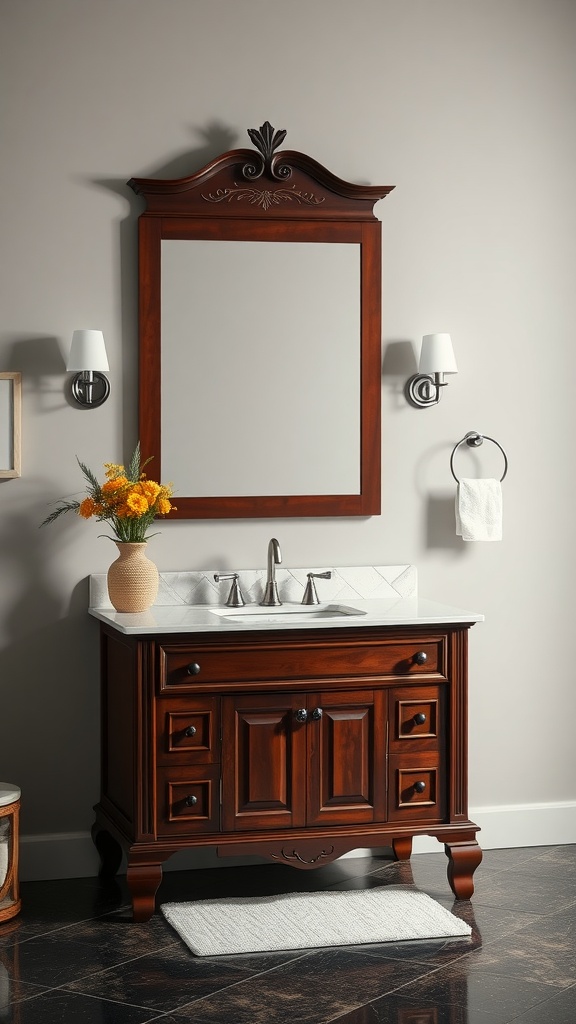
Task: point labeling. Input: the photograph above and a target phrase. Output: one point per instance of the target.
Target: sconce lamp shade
(437, 355)
(87, 352)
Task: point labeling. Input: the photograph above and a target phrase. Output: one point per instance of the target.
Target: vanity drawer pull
(421, 658)
(191, 800)
(420, 718)
(193, 668)
(419, 786)
(190, 731)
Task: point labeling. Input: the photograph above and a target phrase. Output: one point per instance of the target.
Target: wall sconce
(90, 387)
(436, 359)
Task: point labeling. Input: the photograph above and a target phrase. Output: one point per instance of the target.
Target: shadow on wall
(399, 363)
(40, 360)
(49, 688)
(217, 139)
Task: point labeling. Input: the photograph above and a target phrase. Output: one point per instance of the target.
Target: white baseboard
(72, 854)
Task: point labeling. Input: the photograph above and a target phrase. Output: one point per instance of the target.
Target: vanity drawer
(186, 666)
(417, 717)
(416, 788)
(188, 800)
(188, 730)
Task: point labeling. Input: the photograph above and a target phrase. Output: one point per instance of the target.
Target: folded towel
(479, 510)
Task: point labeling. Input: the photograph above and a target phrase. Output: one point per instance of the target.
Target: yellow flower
(114, 485)
(136, 504)
(164, 506)
(113, 470)
(149, 490)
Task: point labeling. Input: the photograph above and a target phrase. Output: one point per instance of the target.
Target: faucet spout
(271, 598)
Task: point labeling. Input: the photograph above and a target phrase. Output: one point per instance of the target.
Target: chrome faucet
(274, 558)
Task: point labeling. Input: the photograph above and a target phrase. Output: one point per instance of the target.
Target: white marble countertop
(191, 602)
(410, 611)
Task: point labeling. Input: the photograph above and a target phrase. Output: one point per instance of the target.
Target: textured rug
(307, 920)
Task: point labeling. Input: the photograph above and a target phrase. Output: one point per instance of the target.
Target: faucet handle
(310, 595)
(235, 597)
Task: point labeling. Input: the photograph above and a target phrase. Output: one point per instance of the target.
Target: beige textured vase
(132, 579)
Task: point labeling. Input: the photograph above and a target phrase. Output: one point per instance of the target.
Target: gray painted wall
(468, 110)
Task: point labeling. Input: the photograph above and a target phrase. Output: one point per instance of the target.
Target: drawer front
(186, 666)
(188, 800)
(416, 790)
(417, 716)
(188, 730)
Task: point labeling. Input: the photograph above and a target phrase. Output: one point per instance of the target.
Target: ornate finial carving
(267, 139)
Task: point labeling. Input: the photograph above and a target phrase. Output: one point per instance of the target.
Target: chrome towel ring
(473, 439)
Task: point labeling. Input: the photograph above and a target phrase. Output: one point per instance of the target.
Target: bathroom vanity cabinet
(297, 745)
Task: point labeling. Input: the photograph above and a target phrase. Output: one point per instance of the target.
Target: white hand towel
(479, 509)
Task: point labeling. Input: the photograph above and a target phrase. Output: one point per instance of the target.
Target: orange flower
(149, 490)
(111, 487)
(164, 506)
(88, 508)
(136, 504)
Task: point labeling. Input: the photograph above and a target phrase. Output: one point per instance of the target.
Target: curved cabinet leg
(464, 858)
(109, 850)
(402, 848)
(143, 881)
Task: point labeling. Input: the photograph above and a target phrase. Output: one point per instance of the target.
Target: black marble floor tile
(166, 979)
(60, 1007)
(74, 955)
(314, 989)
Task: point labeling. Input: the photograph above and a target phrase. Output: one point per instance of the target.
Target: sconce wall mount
(437, 358)
(90, 387)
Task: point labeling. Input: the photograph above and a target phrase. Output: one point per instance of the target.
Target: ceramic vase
(132, 579)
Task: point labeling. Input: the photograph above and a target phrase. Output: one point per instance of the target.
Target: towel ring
(474, 440)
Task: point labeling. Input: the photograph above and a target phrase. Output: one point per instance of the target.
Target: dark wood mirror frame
(263, 195)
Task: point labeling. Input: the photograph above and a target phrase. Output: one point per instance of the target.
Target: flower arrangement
(128, 501)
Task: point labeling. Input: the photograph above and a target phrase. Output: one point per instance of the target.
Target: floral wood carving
(296, 856)
(263, 197)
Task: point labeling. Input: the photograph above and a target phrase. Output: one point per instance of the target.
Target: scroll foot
(464, 858)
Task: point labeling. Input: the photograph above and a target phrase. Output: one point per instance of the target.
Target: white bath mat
(306, 920)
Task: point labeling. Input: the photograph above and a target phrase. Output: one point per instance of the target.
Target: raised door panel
(346, 754)
(264, 762)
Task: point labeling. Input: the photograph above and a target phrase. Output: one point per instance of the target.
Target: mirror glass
(260, 367)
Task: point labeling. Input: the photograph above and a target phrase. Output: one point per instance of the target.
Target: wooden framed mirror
(260, 336)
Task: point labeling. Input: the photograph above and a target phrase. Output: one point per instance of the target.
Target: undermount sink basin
(287, 613)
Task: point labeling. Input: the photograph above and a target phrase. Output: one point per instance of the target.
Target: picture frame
(10, 424)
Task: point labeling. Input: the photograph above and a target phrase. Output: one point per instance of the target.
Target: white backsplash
(347, 583)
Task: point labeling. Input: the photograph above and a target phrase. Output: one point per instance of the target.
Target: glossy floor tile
(74, 956)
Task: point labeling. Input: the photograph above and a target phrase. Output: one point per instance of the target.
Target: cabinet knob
(191, 800)
(193, 668)
(301, 715)
(317, 714)
(190, 731)
(420, 718)
(421, 658)
(420, 786)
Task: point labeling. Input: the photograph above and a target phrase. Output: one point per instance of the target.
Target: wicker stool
(9, 830)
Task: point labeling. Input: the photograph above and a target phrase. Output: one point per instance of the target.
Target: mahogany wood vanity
(297, 745)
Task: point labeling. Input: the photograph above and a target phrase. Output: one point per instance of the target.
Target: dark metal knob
(420, 718)
(301, 715)
(421, 658)
(190, 731)
(420, 786)
(193, 668)
(317, 714)
(191, 800)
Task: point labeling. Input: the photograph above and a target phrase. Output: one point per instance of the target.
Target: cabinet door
(346, 736)
(263, 762)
